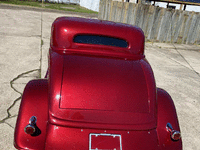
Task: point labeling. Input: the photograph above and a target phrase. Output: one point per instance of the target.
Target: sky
(195, 1)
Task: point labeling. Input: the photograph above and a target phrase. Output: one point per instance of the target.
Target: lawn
(49, 5)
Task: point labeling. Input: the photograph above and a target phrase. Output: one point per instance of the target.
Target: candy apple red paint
(99, 93)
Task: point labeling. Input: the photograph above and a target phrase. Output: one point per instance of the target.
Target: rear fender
(167, 114)
(34, 103)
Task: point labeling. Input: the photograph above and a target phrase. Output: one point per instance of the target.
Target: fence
(158, 24)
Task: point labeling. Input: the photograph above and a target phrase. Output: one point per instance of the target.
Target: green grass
(49, 5)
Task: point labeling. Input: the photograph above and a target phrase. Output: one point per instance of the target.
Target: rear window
(100, 40)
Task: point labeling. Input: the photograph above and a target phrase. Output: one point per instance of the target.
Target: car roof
(65, 29)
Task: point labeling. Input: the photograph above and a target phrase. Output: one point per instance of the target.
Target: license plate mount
(102, 141)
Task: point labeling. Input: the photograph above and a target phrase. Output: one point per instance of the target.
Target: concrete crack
(9, 115)
(9, 125)
(23, 75)
(191, 68)
(13, 104)
(20, 76)
(41, 44)
(189, 65)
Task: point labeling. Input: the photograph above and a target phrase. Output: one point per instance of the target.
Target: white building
(90, 4)
(66, 1)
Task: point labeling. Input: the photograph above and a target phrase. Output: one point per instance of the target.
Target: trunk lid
(104, 91)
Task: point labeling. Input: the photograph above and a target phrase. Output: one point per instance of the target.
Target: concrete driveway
(24, 43)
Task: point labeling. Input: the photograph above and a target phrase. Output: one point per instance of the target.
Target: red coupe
(99, 93)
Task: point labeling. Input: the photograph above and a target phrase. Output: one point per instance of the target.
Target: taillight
(31, 127)
(175, 135)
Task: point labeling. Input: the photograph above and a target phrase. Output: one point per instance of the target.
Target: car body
(99, 93)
